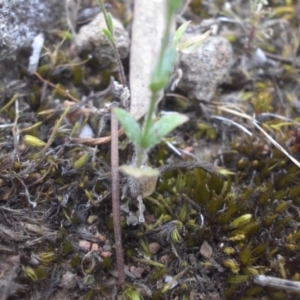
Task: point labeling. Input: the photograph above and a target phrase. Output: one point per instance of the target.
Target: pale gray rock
(205, 68)
(9, 288)
(21, 21)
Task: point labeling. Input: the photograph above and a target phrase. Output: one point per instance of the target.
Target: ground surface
(211, 233)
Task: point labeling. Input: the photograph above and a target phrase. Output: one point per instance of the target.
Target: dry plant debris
(222, 223)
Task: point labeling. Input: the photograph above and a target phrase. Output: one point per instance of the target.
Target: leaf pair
(109, 31)
(157, 132)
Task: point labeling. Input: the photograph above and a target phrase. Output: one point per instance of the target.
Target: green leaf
(34, 141)
(139, 173)
(179, 33)
(161, 128)
(182, 216)
(108, 35)
(82, 161)
(110, 23)
(158, 82)
(130, 125)
(131, 294)
(194, 43)
(168, 62)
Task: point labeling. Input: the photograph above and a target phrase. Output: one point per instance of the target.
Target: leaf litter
(219, 221)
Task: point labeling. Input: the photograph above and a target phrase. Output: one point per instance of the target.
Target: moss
(249, 218)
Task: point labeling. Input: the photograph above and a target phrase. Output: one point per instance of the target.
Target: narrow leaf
(179, 33)
(158, 81)
(34, 141)
(82, 161)
(110, 24)
(130, 125)
(161, 128)
(194, 43)
(240, 221)
(168, 62)
(161, 73)
(108, 35)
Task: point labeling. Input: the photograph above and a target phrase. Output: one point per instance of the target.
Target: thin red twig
(56, 87)
(116, 196)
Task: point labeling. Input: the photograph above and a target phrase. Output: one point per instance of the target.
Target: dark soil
(224, 211)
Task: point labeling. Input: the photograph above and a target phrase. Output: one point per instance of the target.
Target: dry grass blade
(277, 145)
(8, 234)
(94, 141)
(232, 122)
(278, 283)
(54, 131)
(256, 124)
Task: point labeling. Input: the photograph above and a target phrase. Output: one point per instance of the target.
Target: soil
(226, 205)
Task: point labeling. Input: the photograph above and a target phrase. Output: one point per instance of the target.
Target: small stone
(105, 254)
(101, 237)
(92, 219)
(154, 247)
(165, 259)
(205, 68)
(206, 250)
(150, 218)
(85, 246)
(14, 260)
(95, 247)
(138, 272)
(68, 280)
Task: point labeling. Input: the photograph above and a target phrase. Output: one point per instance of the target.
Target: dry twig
(116, 196)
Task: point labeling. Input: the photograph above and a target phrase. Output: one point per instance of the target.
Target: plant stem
(139, 157)
(165, 39)
(115, 163)
(65, 93)
(116, 196)
(120, 65)
(114, 47)
(104, 13)
(149, 116)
